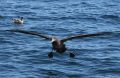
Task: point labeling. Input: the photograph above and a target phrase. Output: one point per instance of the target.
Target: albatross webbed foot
(72, 55)
(50, 55)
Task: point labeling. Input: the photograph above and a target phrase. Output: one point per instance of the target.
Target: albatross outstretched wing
(31, 33)
(85, 35)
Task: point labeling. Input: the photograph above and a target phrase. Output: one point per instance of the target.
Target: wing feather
(31, 33)
(84, 35)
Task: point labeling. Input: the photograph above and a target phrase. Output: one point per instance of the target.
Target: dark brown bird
(57, 44)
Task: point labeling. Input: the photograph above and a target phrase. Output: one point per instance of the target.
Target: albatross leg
(50, 55)
(72, 55)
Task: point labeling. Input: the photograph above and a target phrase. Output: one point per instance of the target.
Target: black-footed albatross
(57, 44)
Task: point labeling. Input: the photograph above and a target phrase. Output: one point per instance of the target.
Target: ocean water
(25, 56)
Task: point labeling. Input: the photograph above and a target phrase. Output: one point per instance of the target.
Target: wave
(110, 16)
(62, 18)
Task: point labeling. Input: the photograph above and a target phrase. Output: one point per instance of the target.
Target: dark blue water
(25, 56)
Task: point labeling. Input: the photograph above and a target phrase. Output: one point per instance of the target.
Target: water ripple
(26, 56)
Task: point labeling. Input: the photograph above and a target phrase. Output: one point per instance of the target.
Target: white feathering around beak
(53, 39)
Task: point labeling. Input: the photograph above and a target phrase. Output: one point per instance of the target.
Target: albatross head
(21, 18)
(54, 39)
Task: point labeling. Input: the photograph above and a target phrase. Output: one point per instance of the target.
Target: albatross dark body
(58, 48)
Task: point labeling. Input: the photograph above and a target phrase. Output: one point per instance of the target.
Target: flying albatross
(57, 44)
